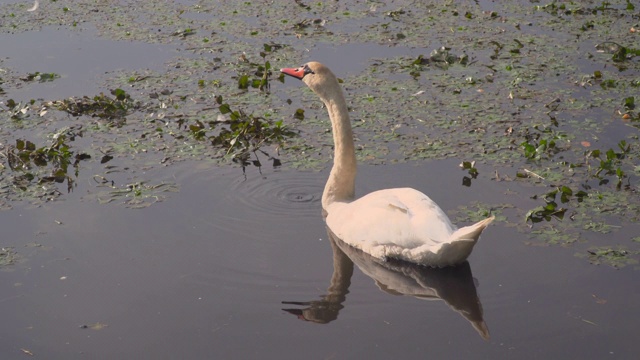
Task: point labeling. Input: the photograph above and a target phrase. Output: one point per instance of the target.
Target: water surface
(237, 263)
(205, 274)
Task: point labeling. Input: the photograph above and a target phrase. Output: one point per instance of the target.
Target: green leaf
(224, 108)
(119, 94)
(243, 82)
(629, 103)
(529, 150)
(620, 55)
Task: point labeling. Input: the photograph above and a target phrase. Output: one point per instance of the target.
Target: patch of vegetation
(102, 106)
(262, 73)
(34, 167)
(551, 209)
(137, 195)
(7, 256)
(551, 234)
(175, 123)
(440, 58)
(611, 164)
(477, 211)
(497, 89)
(614, 257)
(245, 133)
(40, 77)
(541, 142)
(15, 110)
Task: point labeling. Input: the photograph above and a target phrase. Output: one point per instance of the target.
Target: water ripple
(280, 194)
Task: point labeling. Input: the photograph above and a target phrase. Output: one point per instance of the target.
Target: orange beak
(297, 73)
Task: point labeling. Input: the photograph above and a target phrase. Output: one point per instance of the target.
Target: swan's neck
(340, 186)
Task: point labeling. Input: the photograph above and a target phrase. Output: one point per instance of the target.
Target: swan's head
(317, 77)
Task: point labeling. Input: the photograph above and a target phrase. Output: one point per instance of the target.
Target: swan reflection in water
(454, 285)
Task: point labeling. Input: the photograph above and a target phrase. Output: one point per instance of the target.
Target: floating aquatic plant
(33, 167)
(261, 75)
(614, 257)
(8, 256)
(40, 77)
(102, 106)
(506, 104)
(136, 195)
(245, 132)
(16, 110)
(441, 58)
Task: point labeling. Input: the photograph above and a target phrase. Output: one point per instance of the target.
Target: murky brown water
(240, 266)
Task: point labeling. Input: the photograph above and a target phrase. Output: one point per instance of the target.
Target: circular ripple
(280, 193)
(300, 197)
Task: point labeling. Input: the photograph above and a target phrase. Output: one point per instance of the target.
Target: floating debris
(35, 6)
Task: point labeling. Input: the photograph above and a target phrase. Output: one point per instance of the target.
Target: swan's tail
(471, 232)
(453, 251)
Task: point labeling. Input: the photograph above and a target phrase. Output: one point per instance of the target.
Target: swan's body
(398, 223)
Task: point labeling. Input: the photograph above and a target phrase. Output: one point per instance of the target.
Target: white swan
(400, 223)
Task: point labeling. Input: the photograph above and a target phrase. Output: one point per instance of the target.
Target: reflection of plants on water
(470, 166)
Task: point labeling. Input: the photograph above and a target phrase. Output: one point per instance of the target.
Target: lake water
(204, 274)
(238, 264)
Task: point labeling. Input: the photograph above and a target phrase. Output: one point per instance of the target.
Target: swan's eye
(307, 69)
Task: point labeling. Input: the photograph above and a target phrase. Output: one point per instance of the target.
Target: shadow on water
(454, 285)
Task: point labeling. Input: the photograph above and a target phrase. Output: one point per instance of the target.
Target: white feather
(35, 6)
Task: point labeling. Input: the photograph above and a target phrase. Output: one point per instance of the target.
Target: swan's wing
(404, 218)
